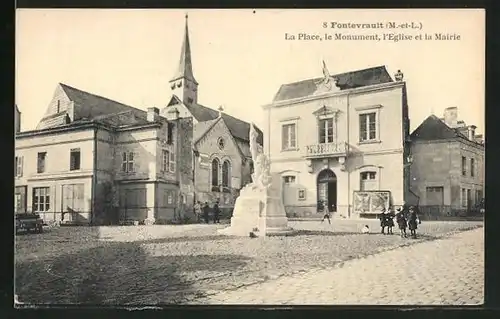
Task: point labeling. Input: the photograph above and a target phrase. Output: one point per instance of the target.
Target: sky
(240, 57)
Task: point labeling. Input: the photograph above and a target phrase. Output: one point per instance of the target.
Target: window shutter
(172, 162)
(362, 127)
(21, 159)
(293, 141)
(284, 137)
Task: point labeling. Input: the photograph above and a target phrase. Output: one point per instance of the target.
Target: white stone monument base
(259, 211)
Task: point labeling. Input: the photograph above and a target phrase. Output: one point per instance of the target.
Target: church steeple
(183, 84)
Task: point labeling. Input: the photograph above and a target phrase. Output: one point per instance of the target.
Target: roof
(348, 80)
(238, 128)
(90, 106)
(433, 128)
(201, 128)
(185, 69)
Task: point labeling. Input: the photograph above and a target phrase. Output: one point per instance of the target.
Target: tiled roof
(433, 128)
(201, 128)
(90, 106)
(238, 128)
(348, 80)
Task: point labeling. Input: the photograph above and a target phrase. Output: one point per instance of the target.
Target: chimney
(472, 132)
(479, 138)
(153, 114)
(450, 116)
(173, 114)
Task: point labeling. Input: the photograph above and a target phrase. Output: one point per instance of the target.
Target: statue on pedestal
(261, 177)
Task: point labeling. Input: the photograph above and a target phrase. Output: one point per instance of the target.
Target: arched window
(226, 176)
(215, 175)
(368, 181)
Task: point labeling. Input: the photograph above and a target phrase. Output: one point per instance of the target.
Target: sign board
(371, 202)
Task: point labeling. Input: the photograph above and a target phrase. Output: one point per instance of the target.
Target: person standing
(197, 211)
(383, 220)
(401, 220)
(216, 212)
(412, 223)
(206, 212)
(326, 214)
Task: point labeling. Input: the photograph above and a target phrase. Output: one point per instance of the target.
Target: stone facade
(343, 155)
(447, 171)
(123, 173)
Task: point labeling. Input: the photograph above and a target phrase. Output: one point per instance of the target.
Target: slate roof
(433, 128)
(238, 128)
(348, 80)
(201, 128)
(90, 106)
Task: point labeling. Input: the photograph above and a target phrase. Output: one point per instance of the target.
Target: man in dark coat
(216, 211)
(206, 212)
(383, 219)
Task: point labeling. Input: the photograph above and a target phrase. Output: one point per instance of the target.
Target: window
(367, 127)
(215, 175)
(19, 166)
(170, 133)
(464, 197)
(41, 162)
(288, 138)
(464, 166)
(368, 181)
(171, 163)
(326, 131)
(469, 199)
(170, 197)
(472, 167)
(168, 161)
(128, 162)
(41, 199)
(226, 176)
(74, 159)
(289, 179)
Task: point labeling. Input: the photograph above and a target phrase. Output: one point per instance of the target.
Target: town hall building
(341, 142)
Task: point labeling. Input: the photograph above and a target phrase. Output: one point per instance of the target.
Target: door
(72, 201)
(327, 190)
(20, 200)
(332, 196)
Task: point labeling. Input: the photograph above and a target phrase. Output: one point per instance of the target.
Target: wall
(209, 150)
(389, 114)
(439, 163)
(143, 143)
(184, 136)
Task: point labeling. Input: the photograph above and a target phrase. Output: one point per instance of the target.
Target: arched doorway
(327, 190)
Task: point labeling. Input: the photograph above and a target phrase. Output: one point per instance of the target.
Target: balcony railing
(326, 149)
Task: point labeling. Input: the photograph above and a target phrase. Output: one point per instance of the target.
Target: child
(326, 214)
(401, 220)
(365, 230)
(389, 222)
(382, 218)
(412, 223)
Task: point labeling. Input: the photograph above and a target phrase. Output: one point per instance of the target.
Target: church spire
(185, 69)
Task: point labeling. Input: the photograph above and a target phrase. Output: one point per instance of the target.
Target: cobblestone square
(191, 264)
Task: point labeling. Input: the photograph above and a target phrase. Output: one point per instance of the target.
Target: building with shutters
(341, 141)
(447, 172)
(94, 160)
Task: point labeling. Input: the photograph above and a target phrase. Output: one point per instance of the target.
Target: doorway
(327, 190)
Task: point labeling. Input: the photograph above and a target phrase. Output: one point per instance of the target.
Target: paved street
(442, 272)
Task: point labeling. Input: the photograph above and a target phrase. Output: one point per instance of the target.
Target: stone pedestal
(260, 209)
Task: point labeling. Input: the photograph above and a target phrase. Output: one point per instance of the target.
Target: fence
(435, 212)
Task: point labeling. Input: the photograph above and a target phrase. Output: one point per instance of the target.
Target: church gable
(218, 141)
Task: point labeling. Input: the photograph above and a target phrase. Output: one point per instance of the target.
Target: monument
(259, 208)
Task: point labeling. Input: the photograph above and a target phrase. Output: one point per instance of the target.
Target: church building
(222, 160)
(95, 160)
(341, 142)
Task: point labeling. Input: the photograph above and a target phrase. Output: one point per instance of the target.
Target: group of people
(203, 211)
(406, 218)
